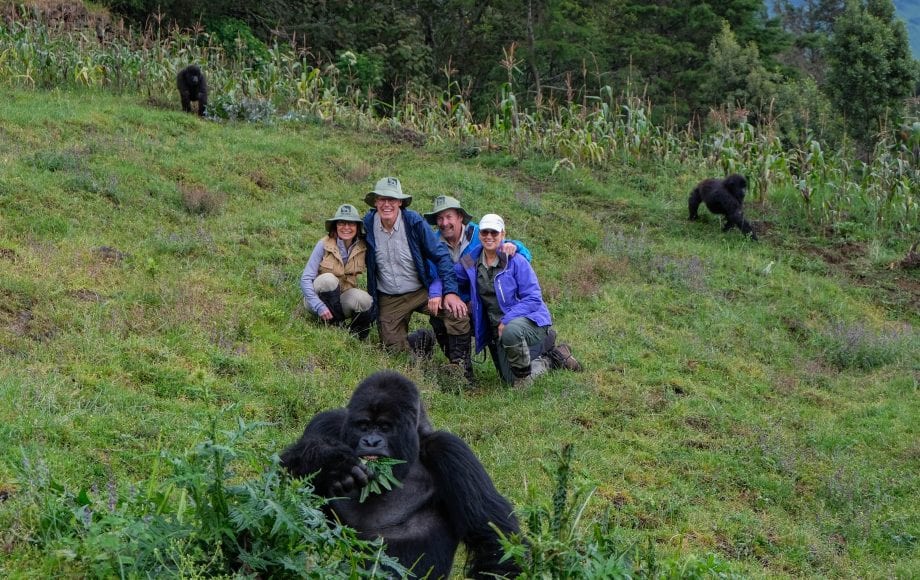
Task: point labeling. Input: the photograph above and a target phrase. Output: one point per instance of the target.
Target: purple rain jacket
(516, 287)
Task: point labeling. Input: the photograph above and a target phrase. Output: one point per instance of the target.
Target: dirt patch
(593, 274)
(7, 254)
(405, 135)
(110, 255)
(896, 285)
(86, 295)
(843, 254)
(260, 180)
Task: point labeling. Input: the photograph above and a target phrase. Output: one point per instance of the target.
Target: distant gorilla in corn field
(725, 197)
(192, 87)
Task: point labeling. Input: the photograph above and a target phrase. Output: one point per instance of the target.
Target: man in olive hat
(461, 236)
(404, 257)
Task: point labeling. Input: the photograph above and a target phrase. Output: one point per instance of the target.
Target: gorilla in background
(446, 496)
(192, 87)
(723, 196)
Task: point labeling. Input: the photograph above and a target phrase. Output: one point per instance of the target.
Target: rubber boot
(333, 300)
(440, 334)
(361, 324)
(459, 352)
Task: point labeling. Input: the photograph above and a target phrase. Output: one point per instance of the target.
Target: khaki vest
(347, 273)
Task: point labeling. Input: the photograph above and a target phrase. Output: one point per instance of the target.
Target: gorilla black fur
(723, 196)
(446, 495)
(192, 87)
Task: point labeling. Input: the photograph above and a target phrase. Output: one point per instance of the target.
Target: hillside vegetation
(755, 400)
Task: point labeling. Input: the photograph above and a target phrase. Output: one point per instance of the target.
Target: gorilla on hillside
(192, 87)
(723, 196)
(446, 496)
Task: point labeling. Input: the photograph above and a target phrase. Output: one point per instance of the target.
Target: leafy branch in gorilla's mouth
(380, 475)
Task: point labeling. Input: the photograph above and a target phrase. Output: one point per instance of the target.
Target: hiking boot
(540, 365)
(562, 358)
(459, 353)
(522, 383)
(361, 324)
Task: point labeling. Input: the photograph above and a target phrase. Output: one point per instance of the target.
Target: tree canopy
(684, 56)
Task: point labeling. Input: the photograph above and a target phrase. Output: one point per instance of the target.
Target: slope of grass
(757, 400)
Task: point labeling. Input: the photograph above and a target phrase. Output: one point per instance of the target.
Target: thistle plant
(380, 476)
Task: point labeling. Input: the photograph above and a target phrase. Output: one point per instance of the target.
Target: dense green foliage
(672, 53)
(202, 517)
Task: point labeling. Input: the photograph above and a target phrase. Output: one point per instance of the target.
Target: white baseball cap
(492, 221)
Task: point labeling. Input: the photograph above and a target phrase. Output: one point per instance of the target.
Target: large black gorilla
(723, 196)
(192, 87)
(446, 495)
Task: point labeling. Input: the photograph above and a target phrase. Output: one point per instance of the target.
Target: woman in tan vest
(330, 279)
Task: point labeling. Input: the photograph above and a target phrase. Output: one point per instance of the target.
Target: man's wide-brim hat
(388, 187)
(345, 213)
(443, 202)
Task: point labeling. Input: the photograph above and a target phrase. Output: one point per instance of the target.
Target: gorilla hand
(340, 471)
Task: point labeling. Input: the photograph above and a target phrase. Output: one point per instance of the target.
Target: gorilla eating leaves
(192, 87)
(723, 196)
(446, 496)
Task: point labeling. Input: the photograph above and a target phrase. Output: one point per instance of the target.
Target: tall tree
(871, 68)
(737, 77)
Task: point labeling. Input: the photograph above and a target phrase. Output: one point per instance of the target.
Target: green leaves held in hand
(380, 476)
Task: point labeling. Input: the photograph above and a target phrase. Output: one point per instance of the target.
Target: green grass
(756, 400)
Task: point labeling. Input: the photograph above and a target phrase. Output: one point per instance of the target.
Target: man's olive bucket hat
(388, 187)
(443, 202)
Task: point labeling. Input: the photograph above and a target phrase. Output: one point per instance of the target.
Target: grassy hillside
(755, 400)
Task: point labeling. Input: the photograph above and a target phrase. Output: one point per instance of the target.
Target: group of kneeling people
(468, 279)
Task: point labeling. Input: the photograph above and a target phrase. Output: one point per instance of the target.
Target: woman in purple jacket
(507, 308)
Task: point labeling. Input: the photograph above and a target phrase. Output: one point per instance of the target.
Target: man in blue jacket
(461, 236)
(403, 255)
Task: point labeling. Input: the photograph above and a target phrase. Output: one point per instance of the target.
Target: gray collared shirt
(395, 267)
(456, 252)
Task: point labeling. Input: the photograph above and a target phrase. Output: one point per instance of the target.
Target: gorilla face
(383, 421)
(737, 185)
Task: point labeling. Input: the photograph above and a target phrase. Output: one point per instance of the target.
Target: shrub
(207, 518)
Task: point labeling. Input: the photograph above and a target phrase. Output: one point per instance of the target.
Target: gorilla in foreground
(192, 87)
(446, 496)
(723, 196)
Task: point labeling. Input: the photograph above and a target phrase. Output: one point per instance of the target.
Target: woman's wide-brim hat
(443, 202)
(388, 187)
(345, 213)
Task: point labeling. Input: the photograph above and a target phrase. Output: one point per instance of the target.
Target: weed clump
(200, 201)
(854, 346)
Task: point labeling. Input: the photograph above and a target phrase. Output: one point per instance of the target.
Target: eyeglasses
(489, 233)
(387, 201)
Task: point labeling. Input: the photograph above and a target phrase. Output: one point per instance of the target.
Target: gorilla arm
(470, 501)
(321, 449)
